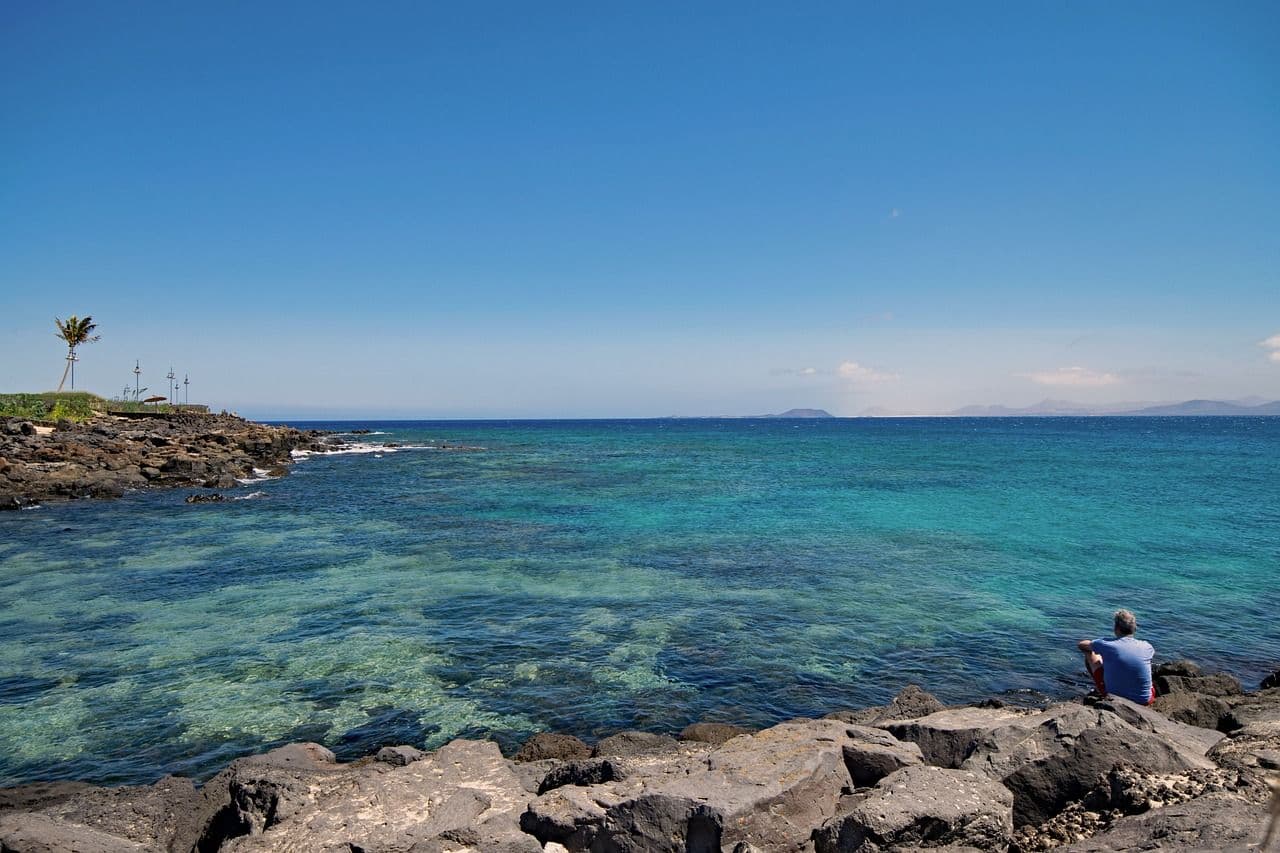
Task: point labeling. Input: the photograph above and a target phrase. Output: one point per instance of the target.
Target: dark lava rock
(1194, 709)
(72, 817)
(1183, 668)
(1272, 680)
(590, 771)
(1212, 822)
(874, 754)
(911, 702)
(1052, 758)
(713, 733)
(551, 745)
(923, 806)
(399, 756)
(1218, 684)
(205, 499)
(107, 456)
(635, 743)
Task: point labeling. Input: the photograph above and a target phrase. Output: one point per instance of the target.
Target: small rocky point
(1100, 775)
(106, 456)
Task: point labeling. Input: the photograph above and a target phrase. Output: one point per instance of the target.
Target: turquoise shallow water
(591, 576)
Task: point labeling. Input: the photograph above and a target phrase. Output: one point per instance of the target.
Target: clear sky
(635, 209)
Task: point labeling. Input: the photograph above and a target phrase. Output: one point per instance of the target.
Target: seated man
(1122, 665)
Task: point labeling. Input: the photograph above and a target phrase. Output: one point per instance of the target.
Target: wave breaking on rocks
(107, 456)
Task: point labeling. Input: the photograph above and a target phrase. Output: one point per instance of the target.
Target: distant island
(801, 413)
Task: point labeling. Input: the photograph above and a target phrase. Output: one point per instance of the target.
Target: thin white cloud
(851, 371)
(1272, 343)
(795, 371)
(1077, 377)
(894, 213)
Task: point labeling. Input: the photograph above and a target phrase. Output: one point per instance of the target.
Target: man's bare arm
(1085, 645)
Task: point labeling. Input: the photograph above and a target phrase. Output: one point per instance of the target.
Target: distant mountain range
(1065, 408)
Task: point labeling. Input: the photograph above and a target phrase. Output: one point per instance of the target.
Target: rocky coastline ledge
(1194, 773)
(107, 456)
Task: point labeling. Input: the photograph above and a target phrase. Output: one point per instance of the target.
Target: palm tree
(75, 332)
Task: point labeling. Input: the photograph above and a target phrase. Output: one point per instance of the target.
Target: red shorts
(1102, 685)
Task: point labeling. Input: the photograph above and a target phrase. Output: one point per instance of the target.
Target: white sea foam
(374, 432)
(260, 475)
(360, 447)
(250, 496)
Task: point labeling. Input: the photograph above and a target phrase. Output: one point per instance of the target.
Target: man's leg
(1093, 665)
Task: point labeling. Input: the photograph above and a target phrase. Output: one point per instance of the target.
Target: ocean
(591, 576)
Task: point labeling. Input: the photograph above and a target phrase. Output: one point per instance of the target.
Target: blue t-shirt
(1126, 667)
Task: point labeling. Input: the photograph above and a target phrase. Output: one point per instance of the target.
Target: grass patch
(52, 405)
(81, 405)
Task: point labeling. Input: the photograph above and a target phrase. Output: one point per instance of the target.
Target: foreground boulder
(1194, 709)
(1253, 739)
(769, 790)
(1052, 758)
(28, 832)
(544, 745)
(69, 816)
(872, 754)
(713, 733)
(635, 743)
(923, 806)
(947, 738)
(296, 798)
(911, 702)
(1212, 822)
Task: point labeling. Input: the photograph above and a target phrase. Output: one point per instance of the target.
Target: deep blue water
(587, 576)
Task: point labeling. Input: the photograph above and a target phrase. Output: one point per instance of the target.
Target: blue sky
(589, 209)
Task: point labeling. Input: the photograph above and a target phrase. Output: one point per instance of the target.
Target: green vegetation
(80, 405)
(52, 405)
(75, 332)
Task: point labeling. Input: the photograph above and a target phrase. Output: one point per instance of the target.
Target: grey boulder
(32, 832)
(155, 817)
(769, 790)
(635, 743)
(923, 807)
(911, 702)
(544, 745)
(1194, 709)
(1052, 758)
(1218, 822)
(713, 733)
(946, 738)
(873, 754)
(464, 795)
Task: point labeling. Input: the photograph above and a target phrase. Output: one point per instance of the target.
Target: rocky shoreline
(105, 457)
(1195, 772)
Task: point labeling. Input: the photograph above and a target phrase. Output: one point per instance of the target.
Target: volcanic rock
(635, 743)
(713, 733)
(1213, 822)
(296, 798)
(551, 745)
(923, 806)
(1051, 758)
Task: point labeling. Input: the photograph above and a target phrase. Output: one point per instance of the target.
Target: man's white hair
(1126, 622)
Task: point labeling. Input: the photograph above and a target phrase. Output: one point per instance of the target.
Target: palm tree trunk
(66, 369)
